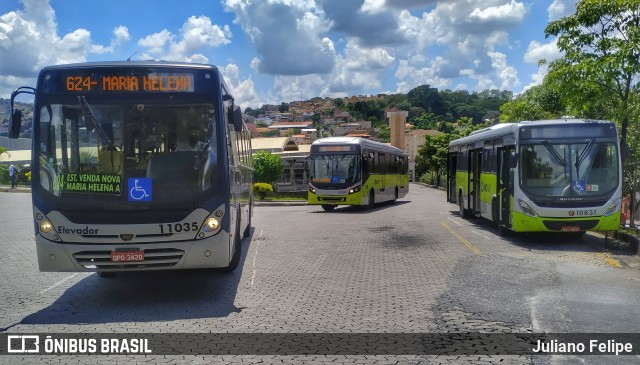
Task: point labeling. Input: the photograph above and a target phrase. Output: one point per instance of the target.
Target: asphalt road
(413, 267)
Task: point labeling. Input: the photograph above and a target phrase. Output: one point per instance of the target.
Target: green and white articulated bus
(560, 175)
(356, 171)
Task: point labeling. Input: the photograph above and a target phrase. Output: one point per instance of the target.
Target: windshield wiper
(554, 152)
(88, 115)
(583, 155)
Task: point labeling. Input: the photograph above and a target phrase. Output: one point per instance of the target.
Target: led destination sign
(156, 82)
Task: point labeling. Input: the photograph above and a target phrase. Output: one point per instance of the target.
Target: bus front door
(504, 186)
(474, 180)
(451, 178)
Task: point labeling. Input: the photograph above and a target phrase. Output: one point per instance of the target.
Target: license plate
(127, 256)
(570, 229)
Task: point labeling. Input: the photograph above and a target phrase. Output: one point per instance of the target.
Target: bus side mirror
(625, 151)
(15, 124)
(513, 160)
(237, 118)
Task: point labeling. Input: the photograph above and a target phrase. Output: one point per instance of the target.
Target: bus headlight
(312, 190)
(354, 190)
(211, 224)
(613, 208)
(526, 209)
(45, 226)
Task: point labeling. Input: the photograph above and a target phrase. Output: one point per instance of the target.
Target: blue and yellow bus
(561, 175)
(137, 166)
(356, 171)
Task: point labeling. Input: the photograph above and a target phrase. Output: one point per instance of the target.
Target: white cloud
(196, 34)
(537, 51)
(561, 8)
(373, 6)
(468, 34)
(410, 74)
(243, 91)
(289, 35)
(511, 13)
(32, 34)
(507, 75)
(121, 34)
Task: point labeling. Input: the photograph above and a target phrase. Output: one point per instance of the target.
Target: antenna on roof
(134, 53)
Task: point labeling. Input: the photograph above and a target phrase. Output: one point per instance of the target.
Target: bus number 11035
(178, 227)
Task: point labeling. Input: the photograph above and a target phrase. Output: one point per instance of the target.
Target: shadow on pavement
(546, 241)
(349, 209)
(147, 297)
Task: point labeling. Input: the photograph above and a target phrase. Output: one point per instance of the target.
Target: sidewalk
(17, 189)
(279, 203)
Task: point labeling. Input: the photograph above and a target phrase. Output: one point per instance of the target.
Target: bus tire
(463, 212)
(395, 196)
(235, 260)
(372, 200)
(328, 207)
(247, 230)
(503, 231)
(494, 211)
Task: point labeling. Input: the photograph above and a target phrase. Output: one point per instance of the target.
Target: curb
(291, 203)
(17, 189)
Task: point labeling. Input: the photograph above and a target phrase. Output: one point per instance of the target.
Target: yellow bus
(356, 171)
(561, 175)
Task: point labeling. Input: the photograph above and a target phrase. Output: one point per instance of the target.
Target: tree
(601, 46)
(428, 98)
(338, 102)
(432, 156)
(384, 134)
(538, 102)
(283, 108)
(267, 167)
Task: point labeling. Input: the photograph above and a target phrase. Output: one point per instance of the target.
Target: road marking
(481, 235)
(610, 260)
(471, 247)
(455, 221)
(58, 283)
(255, 256)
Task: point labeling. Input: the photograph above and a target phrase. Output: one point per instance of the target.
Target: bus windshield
(334, 170)
(571, 170)
(97, 150)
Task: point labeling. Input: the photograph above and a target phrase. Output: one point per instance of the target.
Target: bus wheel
(248, 229)
(463, 212)
(503, 231)
(395, 196)
(328, 207)
(372, 199)
(235, 260)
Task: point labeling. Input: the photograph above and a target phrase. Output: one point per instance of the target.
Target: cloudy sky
(284, 50)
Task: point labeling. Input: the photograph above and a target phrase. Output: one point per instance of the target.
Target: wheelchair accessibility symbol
(139, 189)
(579, 187)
